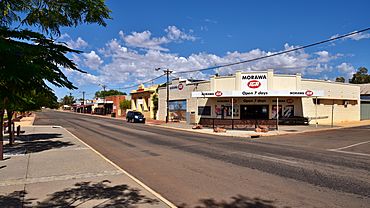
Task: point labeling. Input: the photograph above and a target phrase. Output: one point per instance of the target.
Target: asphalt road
(202, 170)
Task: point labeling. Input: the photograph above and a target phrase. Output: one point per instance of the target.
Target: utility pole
(83, 101)
(167, 72)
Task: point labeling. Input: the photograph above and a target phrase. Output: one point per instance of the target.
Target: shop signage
(218, 93)
(255, 81)
(177, 87)
(260, 93)
(180, 86)
(309, 93)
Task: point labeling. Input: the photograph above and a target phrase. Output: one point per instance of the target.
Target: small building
(261, 95)
(143, 100)
(365, 101)
(112, 104)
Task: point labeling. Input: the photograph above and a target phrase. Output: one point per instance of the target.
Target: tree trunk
(1, 134)
(10, 130)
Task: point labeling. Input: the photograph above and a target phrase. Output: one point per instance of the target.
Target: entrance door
(254, 112)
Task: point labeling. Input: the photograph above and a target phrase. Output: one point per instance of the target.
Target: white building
(256, 95)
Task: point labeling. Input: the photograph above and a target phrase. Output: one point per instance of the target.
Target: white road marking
(164, 200)
(353, 145)
(348, 152)
(277, 159)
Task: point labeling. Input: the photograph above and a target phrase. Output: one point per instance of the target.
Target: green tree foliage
(50, 15)
(361, 76)
(67, 100)
(155, 103)
(29, 59)
(125, 104)
(102, 94)
(340, 79)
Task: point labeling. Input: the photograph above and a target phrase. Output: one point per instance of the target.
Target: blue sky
(185, 35)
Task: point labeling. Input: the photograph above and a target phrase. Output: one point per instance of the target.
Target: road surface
(202, 170)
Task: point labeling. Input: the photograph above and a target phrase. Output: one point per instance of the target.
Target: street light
(167, 72)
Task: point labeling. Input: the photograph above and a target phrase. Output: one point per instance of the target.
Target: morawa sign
(255, 81)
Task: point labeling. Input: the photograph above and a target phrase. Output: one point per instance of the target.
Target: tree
(360, 77)
(67, 100)
(102, 94)
(340, 79)
(155, 103)
(124, 105)
(28, 59)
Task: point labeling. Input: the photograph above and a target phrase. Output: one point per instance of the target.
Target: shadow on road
(238, 201)
(100, 194)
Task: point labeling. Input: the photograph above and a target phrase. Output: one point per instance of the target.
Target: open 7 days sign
(255, 81)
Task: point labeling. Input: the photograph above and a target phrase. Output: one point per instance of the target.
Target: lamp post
(167, 72)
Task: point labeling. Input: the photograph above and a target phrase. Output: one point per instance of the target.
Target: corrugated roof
(365, 89)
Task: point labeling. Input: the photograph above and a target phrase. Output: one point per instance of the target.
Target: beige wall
(184, 94)
(336, 93)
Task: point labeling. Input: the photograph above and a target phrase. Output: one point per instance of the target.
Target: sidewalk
(49, 167)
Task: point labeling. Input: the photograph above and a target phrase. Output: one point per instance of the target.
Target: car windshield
(137, 114)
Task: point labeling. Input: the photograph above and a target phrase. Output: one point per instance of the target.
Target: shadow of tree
(100, 194)
(238, 201)
(34, 137)
(14, 199)
(34, 146)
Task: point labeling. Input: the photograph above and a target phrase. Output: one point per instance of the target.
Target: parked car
(135, 117)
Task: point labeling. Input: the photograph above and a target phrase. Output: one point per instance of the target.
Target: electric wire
(276, 54)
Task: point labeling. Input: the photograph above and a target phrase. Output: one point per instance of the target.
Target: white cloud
(79, 43)
(357, 36)
(126, 63)
(347, 69)
(92, 60)
(173, 33)
(145, 40)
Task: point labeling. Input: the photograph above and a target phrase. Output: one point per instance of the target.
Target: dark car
(135, 117)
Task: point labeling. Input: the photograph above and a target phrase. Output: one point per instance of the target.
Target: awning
(268, 93)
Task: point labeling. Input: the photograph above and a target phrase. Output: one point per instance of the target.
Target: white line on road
(353, 145)
(348, 152)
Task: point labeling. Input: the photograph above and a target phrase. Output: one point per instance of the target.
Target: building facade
(265, 96)
(142, 100)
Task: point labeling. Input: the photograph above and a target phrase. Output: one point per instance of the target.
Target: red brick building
(114, 107)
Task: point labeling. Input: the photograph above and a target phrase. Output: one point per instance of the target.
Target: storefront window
(204, 110)
(177, 109)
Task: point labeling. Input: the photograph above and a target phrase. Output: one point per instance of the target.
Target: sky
(188, 35)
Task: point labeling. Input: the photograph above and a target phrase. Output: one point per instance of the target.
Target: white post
(277, 113)
(316, 111)
(232, 108)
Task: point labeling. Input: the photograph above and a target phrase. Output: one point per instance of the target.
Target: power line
(276, 54)
(148, 81)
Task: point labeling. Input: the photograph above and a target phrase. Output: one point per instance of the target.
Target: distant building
(142, 100)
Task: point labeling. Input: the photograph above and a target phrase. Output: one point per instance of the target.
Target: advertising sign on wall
(255, 81)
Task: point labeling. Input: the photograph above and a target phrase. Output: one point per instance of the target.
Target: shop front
(265, 97)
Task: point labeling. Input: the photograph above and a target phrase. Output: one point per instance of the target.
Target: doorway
(254, 112)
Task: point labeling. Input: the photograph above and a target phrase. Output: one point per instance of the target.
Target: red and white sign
(254, 81)
(180, 86)
(218, 93)
(254, 84)
(309, 93)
